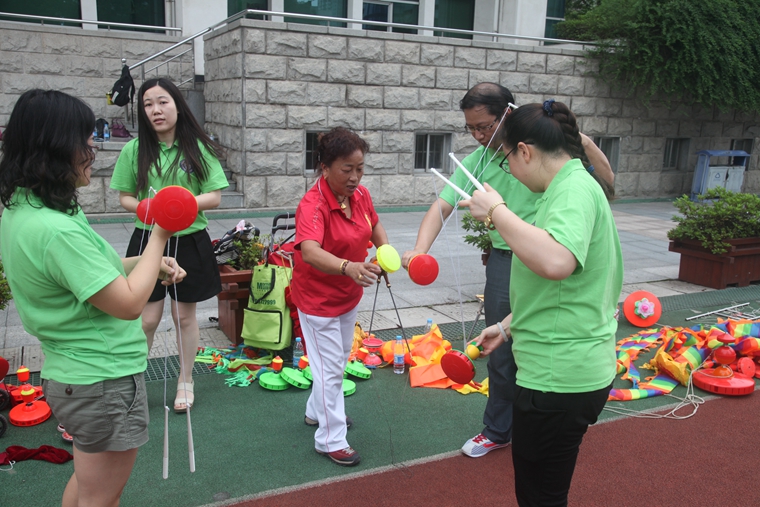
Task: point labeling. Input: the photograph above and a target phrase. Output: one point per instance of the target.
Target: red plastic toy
(642, 308)
(459, 366)
(31, 411)
(423, 269)
(722, 379)
(174, 208)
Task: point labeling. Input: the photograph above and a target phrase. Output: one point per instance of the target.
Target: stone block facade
(267, 84)
(86, 64)
(302, 79)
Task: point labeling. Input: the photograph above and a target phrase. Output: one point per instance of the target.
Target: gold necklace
(342, 203)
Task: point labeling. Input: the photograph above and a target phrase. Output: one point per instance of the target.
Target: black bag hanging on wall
(123, 90)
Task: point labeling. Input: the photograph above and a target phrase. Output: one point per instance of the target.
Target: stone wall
(83, 63)
(267, 83)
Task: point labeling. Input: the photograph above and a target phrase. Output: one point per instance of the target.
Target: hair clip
(590, 169)
(548, 107)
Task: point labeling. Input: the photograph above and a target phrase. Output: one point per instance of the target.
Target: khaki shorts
(111, 415)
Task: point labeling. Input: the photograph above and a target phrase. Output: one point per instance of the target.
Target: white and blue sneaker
(480, 445)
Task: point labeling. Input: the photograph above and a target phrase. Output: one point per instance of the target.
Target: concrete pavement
(642, 227)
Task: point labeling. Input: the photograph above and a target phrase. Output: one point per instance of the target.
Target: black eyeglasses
(504, 161)
(482, 130)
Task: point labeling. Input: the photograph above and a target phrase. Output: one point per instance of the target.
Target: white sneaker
(480, 445)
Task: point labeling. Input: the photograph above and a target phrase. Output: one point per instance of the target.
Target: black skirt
(195, 255)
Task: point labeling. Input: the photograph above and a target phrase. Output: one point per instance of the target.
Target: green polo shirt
(564, 331)
(124, 177)
(484, 165)
(54, 262)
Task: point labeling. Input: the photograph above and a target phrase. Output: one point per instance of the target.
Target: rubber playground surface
(252, 447)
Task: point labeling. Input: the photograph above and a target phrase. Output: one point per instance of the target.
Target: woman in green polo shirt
(172, 149)
(567, 274)
(75, 294)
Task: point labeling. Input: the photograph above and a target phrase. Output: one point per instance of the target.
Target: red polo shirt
(319, 218)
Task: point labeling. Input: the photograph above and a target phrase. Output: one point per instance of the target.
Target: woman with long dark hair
(172, 149)
(75, 294)
(567, 274)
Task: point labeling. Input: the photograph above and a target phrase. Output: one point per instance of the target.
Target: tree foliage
(698, 51)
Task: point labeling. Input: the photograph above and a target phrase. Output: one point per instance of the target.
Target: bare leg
(151, 318)
(188, 326)
(70, 494)
(99, 478)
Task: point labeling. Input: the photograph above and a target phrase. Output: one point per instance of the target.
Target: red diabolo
(458, 366)
(423, 269)
(174, 208)
(145, 211)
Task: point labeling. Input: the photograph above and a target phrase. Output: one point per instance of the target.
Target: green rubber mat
(157, 366)
(713, 298)
(154, 371)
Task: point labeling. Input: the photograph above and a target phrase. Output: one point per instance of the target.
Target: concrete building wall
(83, 63)
(267, 84)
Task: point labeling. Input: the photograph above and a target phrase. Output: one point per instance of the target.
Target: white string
(191, 447)
(477, 173)
(10, 468)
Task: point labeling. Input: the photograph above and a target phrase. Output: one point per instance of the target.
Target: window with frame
(610, 146)
(53, 8)
(454, 14)
(430, 150)
(555, 13)
(740, 144)
(676, 153)
(403, 11)
(138, 12)
(332, 8)
(235, 6)
(310, 156)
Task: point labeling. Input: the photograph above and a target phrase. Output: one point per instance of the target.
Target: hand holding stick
(458, 190)
(467, 173)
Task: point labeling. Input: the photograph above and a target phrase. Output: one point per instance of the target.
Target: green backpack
(266, 322)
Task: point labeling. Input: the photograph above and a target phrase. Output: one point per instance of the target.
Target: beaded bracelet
(343, 266)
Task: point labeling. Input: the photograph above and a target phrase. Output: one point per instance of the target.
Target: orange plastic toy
(642, 308)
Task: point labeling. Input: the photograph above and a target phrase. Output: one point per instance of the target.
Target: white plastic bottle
(398, 356)
(297, 352)
(428, 326)
(106, 133)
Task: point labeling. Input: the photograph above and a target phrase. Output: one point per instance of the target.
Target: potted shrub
(718, 238)
(479, 236)
(236, 283)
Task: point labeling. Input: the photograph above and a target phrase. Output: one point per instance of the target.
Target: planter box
(739, 267)
(232, 301)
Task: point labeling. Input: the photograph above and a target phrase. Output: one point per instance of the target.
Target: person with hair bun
(485, 107)
(567, 275)
(334, 222)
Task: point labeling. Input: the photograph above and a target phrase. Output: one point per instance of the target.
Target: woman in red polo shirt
(334, 221)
